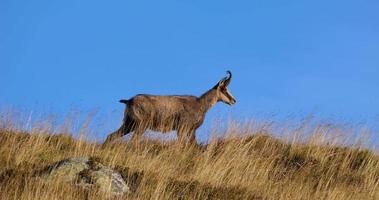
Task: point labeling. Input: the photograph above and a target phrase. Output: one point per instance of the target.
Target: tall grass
(247, 162)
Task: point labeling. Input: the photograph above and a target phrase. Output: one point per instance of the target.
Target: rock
(87, 173)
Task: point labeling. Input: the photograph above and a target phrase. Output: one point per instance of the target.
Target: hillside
(238, 166)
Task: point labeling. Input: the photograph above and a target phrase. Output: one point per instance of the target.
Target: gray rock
(87, 173)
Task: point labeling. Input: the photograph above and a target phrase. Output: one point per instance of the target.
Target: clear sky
(286, 56)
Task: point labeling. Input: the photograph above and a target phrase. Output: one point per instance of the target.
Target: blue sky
(287, 57)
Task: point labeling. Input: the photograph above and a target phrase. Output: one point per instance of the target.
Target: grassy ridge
(247, 166)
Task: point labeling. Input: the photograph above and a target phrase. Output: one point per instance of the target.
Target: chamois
(180, 113)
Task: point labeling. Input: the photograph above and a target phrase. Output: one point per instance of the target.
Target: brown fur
(181, 113)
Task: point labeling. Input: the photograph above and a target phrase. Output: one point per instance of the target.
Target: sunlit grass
(247, 162)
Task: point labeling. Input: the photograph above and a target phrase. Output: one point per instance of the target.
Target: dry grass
(244, 164)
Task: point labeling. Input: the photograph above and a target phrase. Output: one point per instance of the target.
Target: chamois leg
(125, 129)
(180, 137)
(192, 138)
(137, 134)
(186, 138)
(135, 140)
(115, 135)
(139, 131)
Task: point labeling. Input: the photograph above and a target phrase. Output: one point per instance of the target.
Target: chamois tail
(124, 101)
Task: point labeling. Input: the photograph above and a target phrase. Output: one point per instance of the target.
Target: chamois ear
(225, 81)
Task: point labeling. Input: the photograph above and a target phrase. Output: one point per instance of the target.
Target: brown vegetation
(252, 165)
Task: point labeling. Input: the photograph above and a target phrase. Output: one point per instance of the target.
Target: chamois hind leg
(180, 137)
(125, 129)
(115, 135)
(138, 132)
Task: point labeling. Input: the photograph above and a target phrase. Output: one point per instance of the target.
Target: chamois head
(223, 93)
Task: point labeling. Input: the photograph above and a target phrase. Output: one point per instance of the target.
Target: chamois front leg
(192, 138)
(186, 137)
